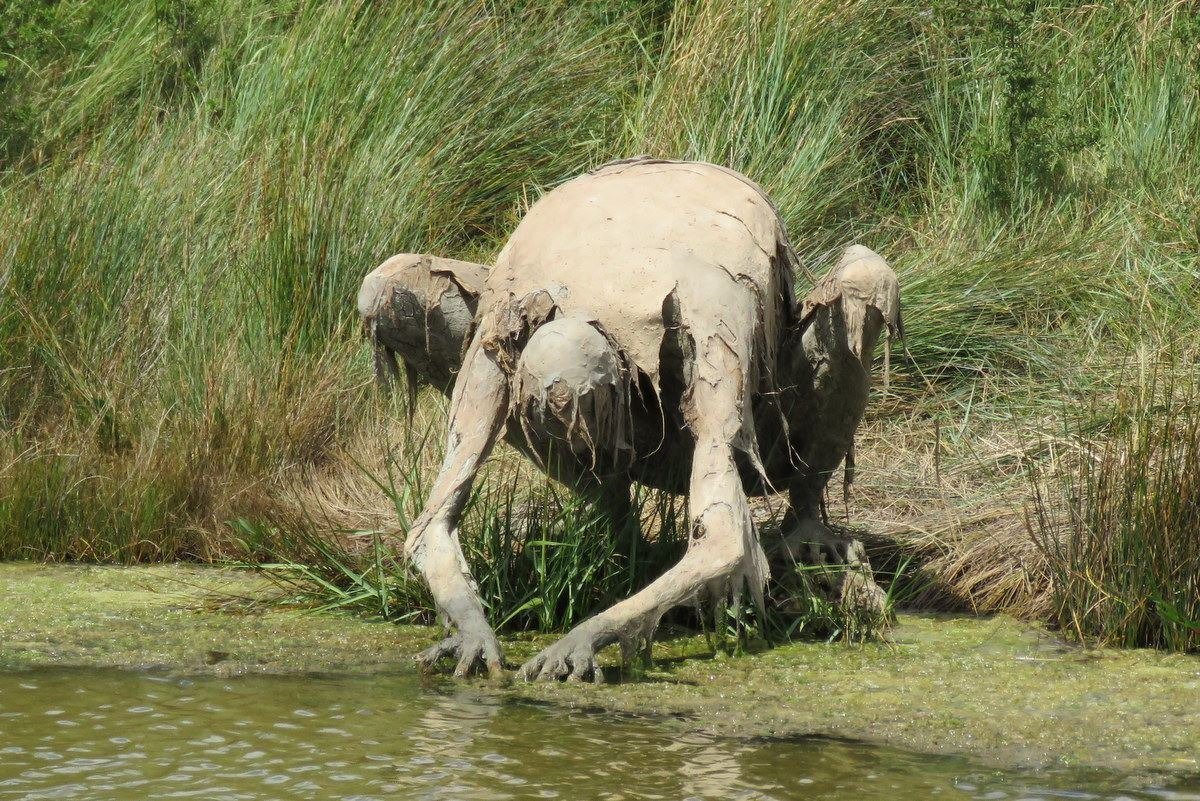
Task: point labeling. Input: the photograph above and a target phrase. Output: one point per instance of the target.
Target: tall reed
(1121, 530)
(191, 190)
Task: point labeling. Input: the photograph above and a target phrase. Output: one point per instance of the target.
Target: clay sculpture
(640, 325)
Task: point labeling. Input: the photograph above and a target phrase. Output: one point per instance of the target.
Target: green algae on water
(164, 616)
(1002, 691)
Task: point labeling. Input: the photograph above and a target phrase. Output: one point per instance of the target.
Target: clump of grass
(543, 558)
(314, 571)
(1119, 528)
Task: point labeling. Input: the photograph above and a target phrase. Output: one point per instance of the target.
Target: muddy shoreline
(1000, 691)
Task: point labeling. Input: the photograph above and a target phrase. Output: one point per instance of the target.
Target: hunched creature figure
(640, 325)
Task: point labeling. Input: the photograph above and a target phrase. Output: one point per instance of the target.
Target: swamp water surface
(96, 735)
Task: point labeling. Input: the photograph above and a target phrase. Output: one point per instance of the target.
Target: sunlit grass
(204, 184)
(1120, 526)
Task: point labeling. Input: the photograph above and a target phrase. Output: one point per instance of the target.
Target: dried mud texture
(640, 324)
(423, 307)
(622, 245)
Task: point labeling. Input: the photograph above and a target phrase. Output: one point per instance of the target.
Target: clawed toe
(837, 552)
(429, 658)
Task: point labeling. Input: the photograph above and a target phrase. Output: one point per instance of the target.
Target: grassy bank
(192, 190)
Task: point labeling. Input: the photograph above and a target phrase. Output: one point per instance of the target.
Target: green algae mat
(1000, 691)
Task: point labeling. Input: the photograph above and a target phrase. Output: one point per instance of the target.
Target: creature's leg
(723, 552)
(477, 413)
(841, 401)
(853, 305)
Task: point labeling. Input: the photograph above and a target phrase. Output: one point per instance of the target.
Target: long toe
(468, 661)
(530, 670)
(584, 669)
(429, 658)
(493, 660)
(554, 669)
(855, 554)
(480, 655)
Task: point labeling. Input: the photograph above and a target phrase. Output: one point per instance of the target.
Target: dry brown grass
(954, 502)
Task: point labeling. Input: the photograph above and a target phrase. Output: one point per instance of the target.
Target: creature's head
(848, 310)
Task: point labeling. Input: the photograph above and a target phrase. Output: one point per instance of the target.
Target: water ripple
(119, 736)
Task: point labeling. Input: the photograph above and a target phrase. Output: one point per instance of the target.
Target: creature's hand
(474, 651)
(572, 658)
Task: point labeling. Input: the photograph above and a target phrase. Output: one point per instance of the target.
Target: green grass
(542, 558)
(1119, 525)
(191, 191)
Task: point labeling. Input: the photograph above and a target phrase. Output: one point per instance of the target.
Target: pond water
(111, 735)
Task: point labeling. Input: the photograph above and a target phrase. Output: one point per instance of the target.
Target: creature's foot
(839, 563)
(860, 595)
(474, 652)
(572, 658)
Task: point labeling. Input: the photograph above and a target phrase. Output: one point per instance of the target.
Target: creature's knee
(422, 308)
(568, 355)
(571, 386)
